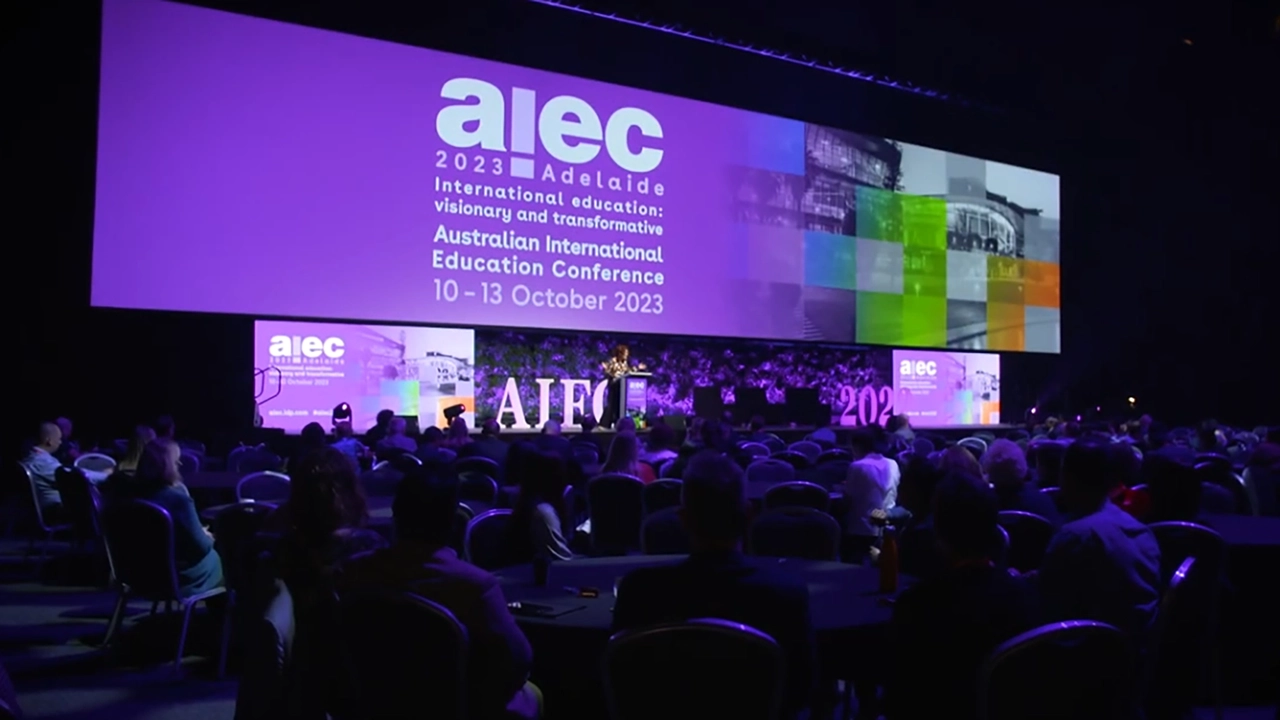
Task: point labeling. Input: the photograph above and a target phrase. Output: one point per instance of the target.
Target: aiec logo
(307, 347)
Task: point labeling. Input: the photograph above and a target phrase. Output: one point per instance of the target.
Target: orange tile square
(1043, 284)
(1006, 327)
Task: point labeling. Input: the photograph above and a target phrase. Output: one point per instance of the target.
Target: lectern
(635, 395)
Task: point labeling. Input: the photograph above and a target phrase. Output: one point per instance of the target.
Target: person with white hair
(1005, 466)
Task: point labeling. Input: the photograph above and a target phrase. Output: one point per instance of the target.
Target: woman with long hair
(157, 480)
(540, 516)
(459, 434)
(128, 463)
(624, 457)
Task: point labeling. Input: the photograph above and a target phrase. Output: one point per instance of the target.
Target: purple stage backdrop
(947, 389)
(304, 370)
(250, 166)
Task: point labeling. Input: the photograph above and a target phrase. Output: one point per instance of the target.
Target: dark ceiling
(1013, 53)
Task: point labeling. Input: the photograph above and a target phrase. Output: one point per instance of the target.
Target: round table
(842, 597)
(850, 618)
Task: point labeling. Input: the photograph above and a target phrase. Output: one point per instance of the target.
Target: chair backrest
(797, 532)
(976, 445)
(252, 460)
(478, 464)
(1220, 475)
(793, 458)
(830, 474)
(586, 454)
(461, 519)
(263, 486)
(1000, 553)
(615, 504)
(834, 455)
(662, 671)
(661, 494)
(773, 442)
(236, 528)
(1180, 540)
(140, 536)
(475, 485)
(1177, 641)
(189, 462)
(663, 533)
(78, 506)
(1067, 670)
(265, 690)
(1029, 536)
(754, 449)
(797, 494)
(192, 446)
(770, 470)
(96, 462)
(1263, 484)
(666, 468)
(809, 449)
(486, 537)
(408, 655)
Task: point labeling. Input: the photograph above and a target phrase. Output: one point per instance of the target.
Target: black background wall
(1169, 191)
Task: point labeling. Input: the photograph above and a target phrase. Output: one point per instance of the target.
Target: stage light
(454, 411)
(341, 413)
(1133, 400)
(802, 60)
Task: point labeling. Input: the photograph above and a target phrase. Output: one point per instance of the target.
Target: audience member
(381, 423)
(1048, 455)
(900, 425)
(915, 490)
(458, 436)
(128, 462)
(717, 580)
(68, 451)
(625, 426)
(944, 627)
(1102, 564)
(958, 460)
(711, 435)
(871, 484)
(396, 441)
(42, 465)
(312, 438)
(660, 446)
(431, 447)
(536, 529)
(489, 445)
(158, 480)
(345, 442)
(1005, 466)
(421, 562)
(552, 440)
(624, 457)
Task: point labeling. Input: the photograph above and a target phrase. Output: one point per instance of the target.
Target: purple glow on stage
(947, 389)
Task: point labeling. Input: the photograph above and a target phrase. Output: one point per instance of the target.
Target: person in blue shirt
(157, 480)
(41, 462)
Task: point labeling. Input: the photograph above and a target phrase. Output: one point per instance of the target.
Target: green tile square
(924, 221)
(879, 214)
(879, 318)
(924, 272)
(924, 321)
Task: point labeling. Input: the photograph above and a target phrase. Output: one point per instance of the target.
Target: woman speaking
(615, 367)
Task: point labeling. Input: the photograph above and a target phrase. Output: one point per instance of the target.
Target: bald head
(50, 436)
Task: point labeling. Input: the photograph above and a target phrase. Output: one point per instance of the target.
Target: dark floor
(51, 627)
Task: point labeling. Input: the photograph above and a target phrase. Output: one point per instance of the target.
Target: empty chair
(754, 449)
(1180, 540)
(615, 505)
(663, 533)
(140, 539)
(1222, 476)
(1181, 637)
(661, 494)
(264, 486)
(773, 442)
(835, 455)
(235, 531)
(1075, 670)
(408, 656)
(189, 462)
(1263, 486)
(830, 474)
(1029, 536)
(458, 539)
(252, 460)
(96, 462)
(268, 675)
(586, 454)
(771, 471)
(475, 463)
(809, 449)
(661, 671)
(79, 506)
(192, 446)
(797, 532)
(478, 487)
(485, 539)
(797, 494)
(793, 458)
(1220, 461)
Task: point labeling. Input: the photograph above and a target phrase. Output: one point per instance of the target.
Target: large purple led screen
(947, 389)
(254, 167)
(304, 370)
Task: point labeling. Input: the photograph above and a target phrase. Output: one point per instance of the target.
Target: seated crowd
(941, 501)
